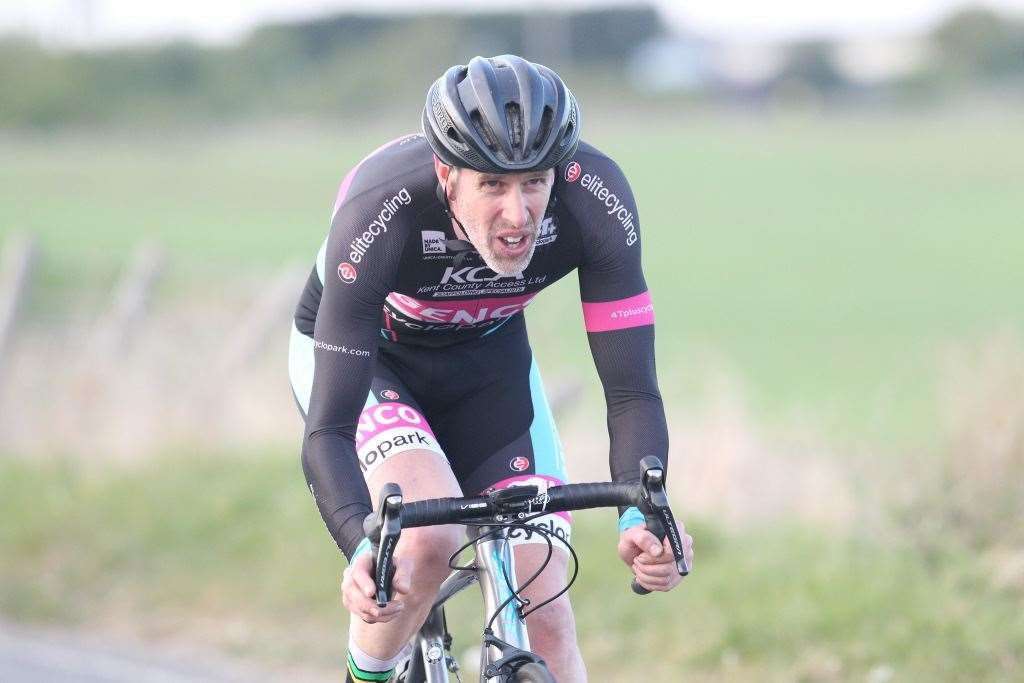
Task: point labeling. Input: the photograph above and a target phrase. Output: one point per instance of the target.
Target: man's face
(500, 213)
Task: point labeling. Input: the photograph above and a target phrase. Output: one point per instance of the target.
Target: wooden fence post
(131, 298)
(19, 260)
(268, 314)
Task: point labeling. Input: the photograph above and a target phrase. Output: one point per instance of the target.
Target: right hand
(651, 560)
(358, 592)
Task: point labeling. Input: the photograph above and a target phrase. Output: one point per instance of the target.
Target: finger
(372, 614)
(652, 583)
(664, 569)
(647, 558)
(359, 573)
(667, 554)
(656, 577)
(642, 539)
(401, 584)
(388, 611)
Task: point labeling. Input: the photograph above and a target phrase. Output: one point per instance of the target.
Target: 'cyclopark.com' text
(362, 353)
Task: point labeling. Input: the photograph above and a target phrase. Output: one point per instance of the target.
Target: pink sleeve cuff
(618, 315)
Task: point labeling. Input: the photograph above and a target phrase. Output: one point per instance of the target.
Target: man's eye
(491, 183)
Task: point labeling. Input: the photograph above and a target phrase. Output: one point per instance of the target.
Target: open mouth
(513, 246)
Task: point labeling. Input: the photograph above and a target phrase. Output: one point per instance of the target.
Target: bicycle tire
(533, 672)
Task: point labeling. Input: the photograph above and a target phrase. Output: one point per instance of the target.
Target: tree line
(353, 65)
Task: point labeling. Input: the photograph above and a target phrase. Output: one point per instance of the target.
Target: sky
(219, 21)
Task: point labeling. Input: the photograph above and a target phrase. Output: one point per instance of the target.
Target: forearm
(636, 428)
(336, 482)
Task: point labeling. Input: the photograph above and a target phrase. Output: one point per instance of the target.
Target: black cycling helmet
(501, 115)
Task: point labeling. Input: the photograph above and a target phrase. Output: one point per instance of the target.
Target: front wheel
(533, 672)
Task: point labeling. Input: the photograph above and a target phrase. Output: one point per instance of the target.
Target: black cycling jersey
(389, 274)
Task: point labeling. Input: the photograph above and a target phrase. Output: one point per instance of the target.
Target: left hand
(651, 560)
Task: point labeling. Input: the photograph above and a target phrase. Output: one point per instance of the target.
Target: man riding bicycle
(409, 356)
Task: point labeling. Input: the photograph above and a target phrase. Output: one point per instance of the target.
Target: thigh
(533, 457)
(396, 443)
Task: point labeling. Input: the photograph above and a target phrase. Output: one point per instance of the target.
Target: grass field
(230, 551)
(820, 266)
(822, 262)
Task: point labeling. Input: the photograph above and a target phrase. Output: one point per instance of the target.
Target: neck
(457, 227)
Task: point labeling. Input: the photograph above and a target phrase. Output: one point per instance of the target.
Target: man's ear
(443, 172)
(447, 176)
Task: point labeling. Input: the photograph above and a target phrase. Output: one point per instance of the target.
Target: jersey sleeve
(360, 260)
(618, 313)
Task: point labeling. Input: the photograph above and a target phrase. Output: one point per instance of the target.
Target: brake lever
(658, 515)
(383, 528)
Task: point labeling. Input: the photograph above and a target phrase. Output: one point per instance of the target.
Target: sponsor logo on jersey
(550, 524)
(390, 395)
(393, 444)
(391, 207)
(362, 353)
(433, 242)
(572, 172)
(474, 274)
(547, 232)
(519, 464)
(388, 429)
(629, 312)
(347, 272)
(464, 312)
(375, 420)
(616, 208)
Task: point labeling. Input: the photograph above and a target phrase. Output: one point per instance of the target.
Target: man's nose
(513, 208)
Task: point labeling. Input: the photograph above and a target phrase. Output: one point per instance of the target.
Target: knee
(430, 549)
(553, 625)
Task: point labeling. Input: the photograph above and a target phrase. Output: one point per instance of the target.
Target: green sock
(357, 675)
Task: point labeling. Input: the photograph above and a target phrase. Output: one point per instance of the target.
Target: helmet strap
(462, 247)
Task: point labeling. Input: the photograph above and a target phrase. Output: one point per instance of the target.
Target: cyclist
(409, 357)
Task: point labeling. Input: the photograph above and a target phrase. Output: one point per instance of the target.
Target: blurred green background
(836, 264)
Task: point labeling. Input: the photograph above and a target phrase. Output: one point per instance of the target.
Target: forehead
(509, 177)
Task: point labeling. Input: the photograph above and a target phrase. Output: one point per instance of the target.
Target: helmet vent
(484, 131)
(515, 124)
(544, 129)
(568, 129)
(453, 134)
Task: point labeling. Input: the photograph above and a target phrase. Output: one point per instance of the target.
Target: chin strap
(461, 247)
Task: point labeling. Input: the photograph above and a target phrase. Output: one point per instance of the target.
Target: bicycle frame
(494, 561)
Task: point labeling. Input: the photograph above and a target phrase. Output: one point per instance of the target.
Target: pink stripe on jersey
(618, 315)
(384, 417)
(459, 311)
(532, 479)
(343, 190)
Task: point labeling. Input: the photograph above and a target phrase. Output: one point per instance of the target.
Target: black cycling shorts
(479, 403)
